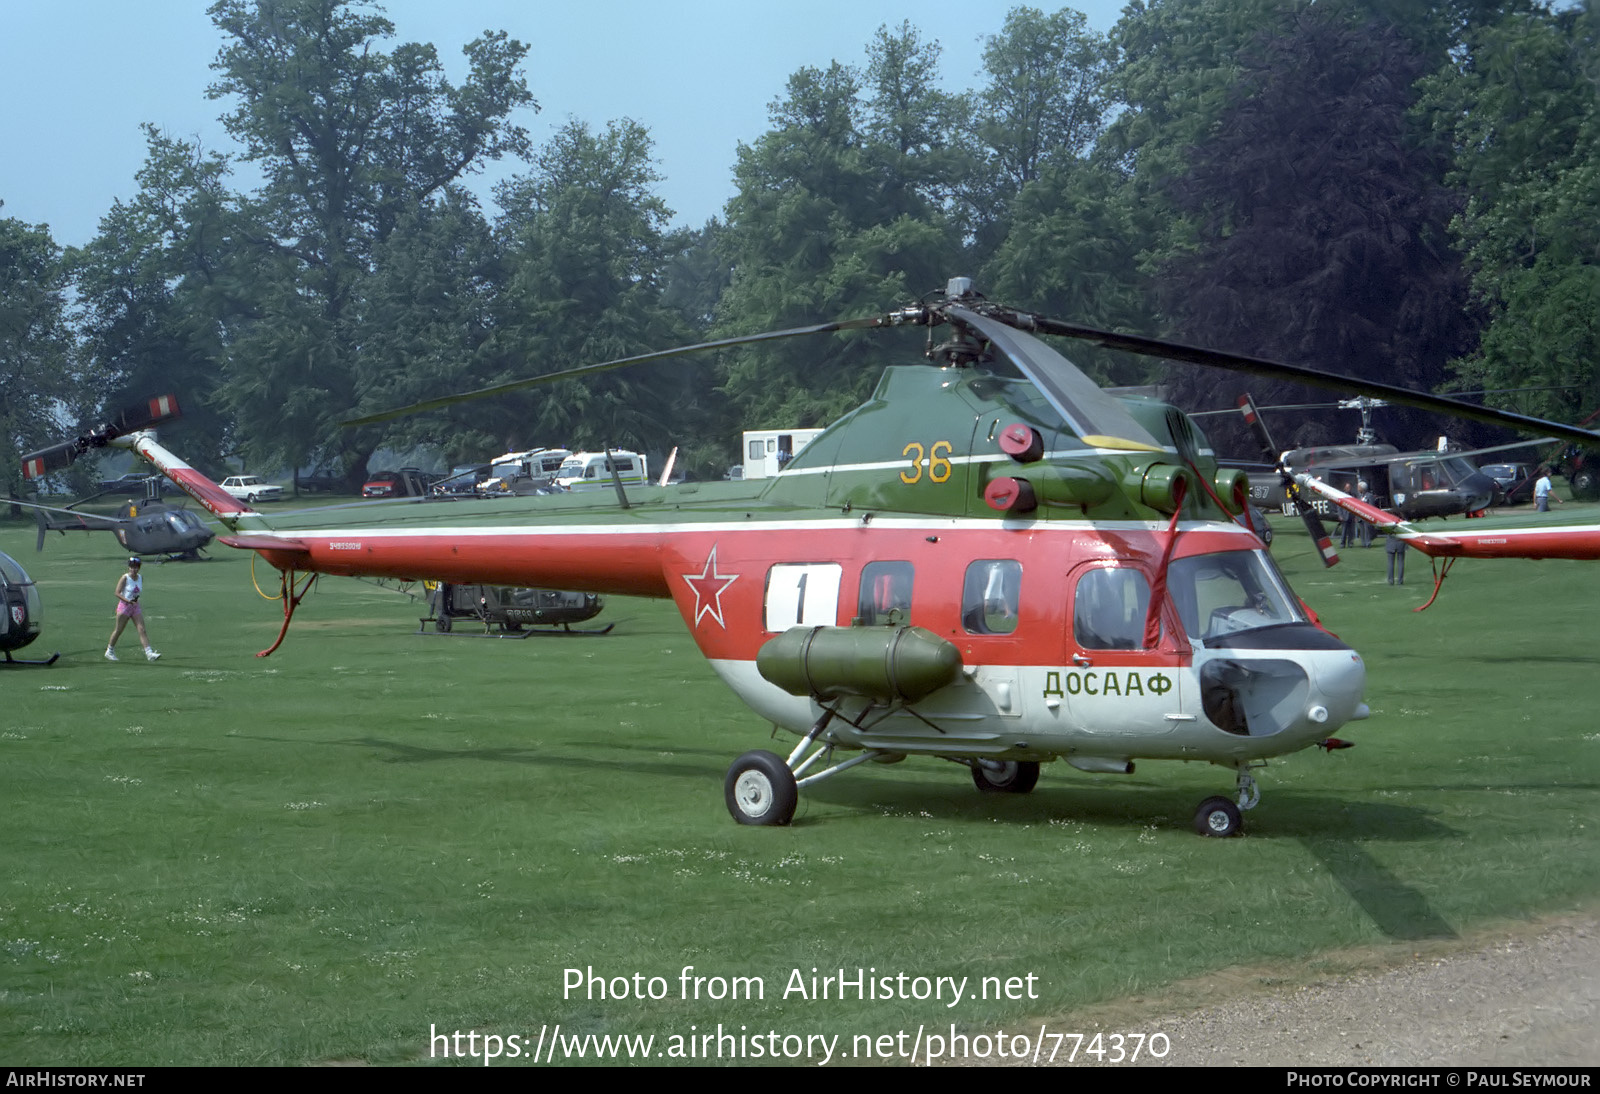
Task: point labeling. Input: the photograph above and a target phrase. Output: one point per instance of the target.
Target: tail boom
(217, 501)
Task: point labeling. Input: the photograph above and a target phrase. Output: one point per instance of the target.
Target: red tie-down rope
(291, 601)
(1158, 591)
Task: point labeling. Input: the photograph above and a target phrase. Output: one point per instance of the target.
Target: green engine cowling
(881, 663)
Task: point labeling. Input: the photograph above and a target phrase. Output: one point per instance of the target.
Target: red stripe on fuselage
(675, 562)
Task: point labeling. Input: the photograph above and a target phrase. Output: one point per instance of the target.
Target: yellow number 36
(937, 464)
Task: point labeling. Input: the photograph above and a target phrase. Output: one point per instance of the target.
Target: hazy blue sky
(78, 77)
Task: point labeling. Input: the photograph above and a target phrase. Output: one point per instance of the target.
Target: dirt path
(1523, 995)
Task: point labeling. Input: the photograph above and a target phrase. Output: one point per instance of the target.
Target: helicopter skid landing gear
(760, 789)
(1005, 776)
(18, 661)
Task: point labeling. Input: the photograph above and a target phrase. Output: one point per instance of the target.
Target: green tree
(586, 249)
(1043, 106)
(1321, 221)
(1522, 108)
(428, 310)
(152, 286)
(42, 388)
(1073, 252)
(835, 216)
(912, 131)
(350, 140)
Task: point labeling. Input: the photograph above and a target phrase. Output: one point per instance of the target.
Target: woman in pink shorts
(129, 588)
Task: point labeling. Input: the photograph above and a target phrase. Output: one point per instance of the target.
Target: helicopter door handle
(1081, 661)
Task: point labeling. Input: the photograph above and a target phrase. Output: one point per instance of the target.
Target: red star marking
(708, 587)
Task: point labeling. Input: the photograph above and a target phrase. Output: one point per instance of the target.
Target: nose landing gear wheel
(760, 789)
(1217, 817)
(1005, 777)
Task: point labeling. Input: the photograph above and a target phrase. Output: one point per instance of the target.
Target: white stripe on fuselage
(980, 458)
(1495, 533)
(728, 526)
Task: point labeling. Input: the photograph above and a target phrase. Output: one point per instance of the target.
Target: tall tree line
(1409, 192)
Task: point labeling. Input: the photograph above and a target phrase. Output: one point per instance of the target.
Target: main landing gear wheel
(1217, 817)
(760, 789)
(1585, 484)
(1005, 777)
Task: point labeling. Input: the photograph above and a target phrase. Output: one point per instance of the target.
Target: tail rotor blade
(1319, 535)
(1252, 417)
(1291, 489)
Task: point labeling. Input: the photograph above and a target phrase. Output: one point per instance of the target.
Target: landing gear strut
(763, 788)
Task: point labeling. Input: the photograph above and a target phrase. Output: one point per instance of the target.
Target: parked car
(317, 481)
(462, 480)
(1513, 482)
(408, 482)
(132, 484)
(252, 488)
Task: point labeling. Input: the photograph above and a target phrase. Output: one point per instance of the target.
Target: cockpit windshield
(13, 573)
(1229, 592)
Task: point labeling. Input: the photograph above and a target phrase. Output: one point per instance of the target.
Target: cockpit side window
(1109, 609)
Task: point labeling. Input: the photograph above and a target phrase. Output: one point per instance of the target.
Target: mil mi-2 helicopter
(997, 571)
(147, 527)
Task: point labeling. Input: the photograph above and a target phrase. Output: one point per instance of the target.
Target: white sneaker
(151, 654)
(111, 654)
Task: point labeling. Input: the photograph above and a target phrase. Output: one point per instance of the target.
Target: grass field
(321, 856)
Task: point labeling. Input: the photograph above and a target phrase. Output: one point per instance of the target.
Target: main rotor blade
(1423, 456)
(1096, 417)
(128, 420)
(144, 415)
(1279, 370)
(606, 366)
(45, 460)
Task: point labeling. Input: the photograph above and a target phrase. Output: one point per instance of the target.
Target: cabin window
(884, 599)
(802, 594)
(991, 596)
(1109, 609)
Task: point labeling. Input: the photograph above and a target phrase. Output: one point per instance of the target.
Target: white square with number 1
(802, 594)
